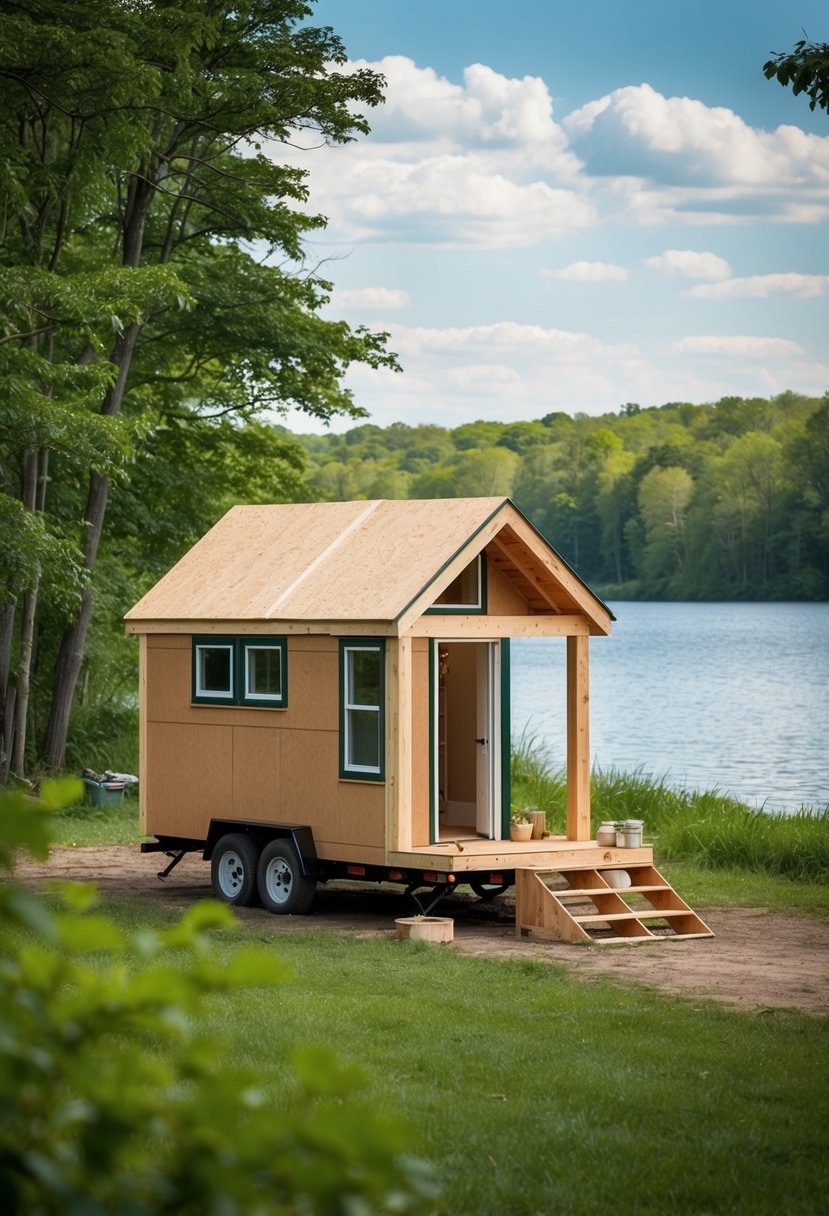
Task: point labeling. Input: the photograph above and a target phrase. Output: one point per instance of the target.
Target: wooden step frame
(583, 903)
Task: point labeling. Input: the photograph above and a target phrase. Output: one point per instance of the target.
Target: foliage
(705, 828)
(154, 297)
(728, 500)
(115, 1098)
(806, 69)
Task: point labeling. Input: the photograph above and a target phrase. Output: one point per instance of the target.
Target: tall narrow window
(362, 686)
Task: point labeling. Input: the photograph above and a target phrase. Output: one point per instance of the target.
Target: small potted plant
(520, 827)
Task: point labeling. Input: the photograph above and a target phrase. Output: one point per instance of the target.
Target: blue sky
(571, 206)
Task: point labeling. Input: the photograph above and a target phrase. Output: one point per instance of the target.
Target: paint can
(633, 833)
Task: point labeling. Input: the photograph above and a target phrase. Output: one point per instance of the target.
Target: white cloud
(736, 345)
(676, 159)
(371, 297)
(509, 337)
(481, 163)
(690, 263)
(761, 286)
(587, 272)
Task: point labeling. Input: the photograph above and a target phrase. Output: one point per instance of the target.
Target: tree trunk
(6, 714)
(27, 633)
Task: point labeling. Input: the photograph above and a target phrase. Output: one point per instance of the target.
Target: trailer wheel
(233, 870)
(282, 886)
(487, 890)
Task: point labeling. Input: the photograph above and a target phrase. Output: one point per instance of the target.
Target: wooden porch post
(399, 746)
(578, 738)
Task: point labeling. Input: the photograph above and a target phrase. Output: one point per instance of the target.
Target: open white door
(467, 740)
(488, 740)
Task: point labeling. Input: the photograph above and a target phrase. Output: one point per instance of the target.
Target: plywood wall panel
(351, 812)
(257, 774)
(502, 598)
(189, 778)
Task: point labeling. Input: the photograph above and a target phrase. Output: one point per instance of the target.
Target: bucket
(633, 833)
(104, 793)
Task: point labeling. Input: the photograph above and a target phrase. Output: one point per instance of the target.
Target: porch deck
(552, 853)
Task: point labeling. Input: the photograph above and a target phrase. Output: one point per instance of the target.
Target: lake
(727, 696)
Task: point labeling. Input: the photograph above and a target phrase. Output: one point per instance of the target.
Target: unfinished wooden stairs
(591, 904)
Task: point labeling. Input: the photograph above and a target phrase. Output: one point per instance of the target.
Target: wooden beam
(373, 629)
(399, 745)
(454, 625)
(143, 710)
(578, 738)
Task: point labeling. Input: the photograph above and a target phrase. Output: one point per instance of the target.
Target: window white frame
(238, 690)
(222, 696)
(348, 766)
(249, 696)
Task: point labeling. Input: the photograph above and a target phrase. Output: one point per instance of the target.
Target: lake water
(726, 696)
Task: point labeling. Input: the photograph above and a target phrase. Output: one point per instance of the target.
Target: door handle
(482, 740)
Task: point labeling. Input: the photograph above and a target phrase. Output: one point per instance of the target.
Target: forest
(718, 501)
(158, 316)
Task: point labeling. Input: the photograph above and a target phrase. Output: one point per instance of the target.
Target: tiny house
(325, 692)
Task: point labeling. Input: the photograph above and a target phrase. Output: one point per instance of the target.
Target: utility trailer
(325, 693)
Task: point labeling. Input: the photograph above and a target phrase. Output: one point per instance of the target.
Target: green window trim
(362, 720)
(476, 608)
(251, 671)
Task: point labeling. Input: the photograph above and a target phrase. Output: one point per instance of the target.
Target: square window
(264, 668)
(213, 671)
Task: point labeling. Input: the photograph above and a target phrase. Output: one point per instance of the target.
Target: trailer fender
(300, 834)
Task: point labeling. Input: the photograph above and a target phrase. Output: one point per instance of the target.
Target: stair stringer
(588, 905)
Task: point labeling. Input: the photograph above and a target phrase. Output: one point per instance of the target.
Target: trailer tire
(233, 870)
(487, 890)
(283, 888)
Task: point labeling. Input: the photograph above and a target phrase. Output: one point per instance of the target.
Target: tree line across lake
(688, 502)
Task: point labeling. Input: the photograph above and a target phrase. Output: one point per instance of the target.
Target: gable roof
(381, 561)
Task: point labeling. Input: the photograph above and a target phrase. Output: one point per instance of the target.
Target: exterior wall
(207, 761)
(502, 597)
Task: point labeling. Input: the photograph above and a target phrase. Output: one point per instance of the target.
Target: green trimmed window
(240, 671)
(467, 591)
(362, 693)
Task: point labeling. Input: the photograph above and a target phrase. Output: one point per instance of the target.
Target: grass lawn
(534, 1092)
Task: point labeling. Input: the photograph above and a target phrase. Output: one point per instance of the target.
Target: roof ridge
(322, 556)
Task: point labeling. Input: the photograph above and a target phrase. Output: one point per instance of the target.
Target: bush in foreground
(112, 1100)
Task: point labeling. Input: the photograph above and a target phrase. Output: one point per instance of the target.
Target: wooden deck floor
(553, 852)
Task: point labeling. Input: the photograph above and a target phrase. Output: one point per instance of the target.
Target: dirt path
(757, 960)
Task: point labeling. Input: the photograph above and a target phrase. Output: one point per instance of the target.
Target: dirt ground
(757, 960)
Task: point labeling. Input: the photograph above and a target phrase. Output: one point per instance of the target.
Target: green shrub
(114, 1100)
(705, 827)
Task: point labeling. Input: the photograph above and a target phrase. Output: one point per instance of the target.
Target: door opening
(467, 740)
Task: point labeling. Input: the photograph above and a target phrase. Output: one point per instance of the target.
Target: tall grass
(710, 829)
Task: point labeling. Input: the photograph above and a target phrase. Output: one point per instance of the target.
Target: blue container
(104, 793)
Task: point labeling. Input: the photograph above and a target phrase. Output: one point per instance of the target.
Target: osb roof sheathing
(347, 561)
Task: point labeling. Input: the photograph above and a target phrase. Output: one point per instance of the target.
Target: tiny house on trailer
(325, 692)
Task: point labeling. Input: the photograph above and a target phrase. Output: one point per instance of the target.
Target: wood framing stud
(578, 738)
